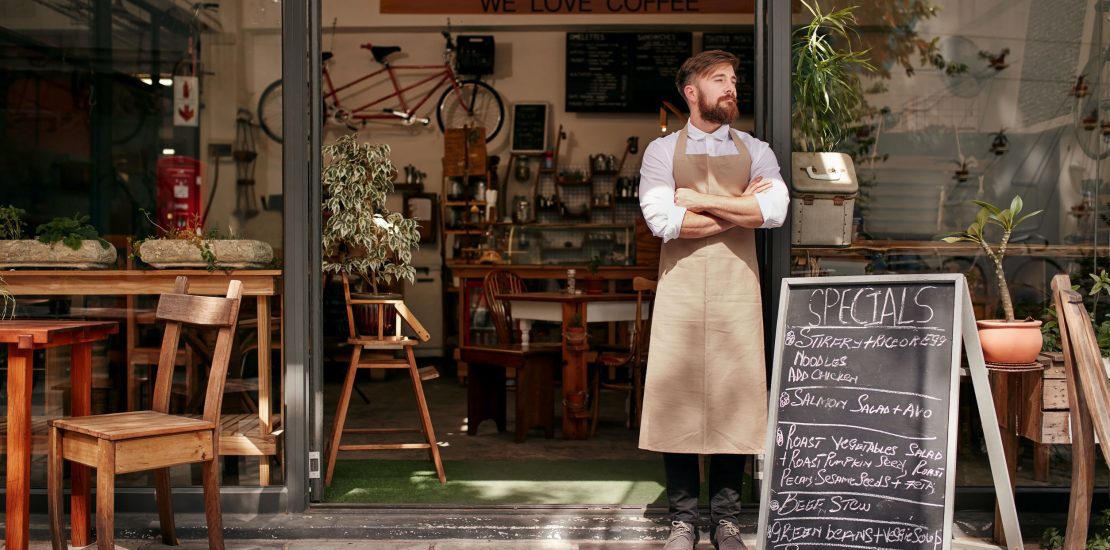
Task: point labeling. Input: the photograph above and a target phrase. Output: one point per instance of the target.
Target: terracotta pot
(1010, 342)
(366, 315)
(576, 338)
(594, 286)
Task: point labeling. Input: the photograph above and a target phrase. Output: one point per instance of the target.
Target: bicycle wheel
(270, 110)
(480, 107)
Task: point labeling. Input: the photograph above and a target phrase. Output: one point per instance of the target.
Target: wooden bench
(535, 386)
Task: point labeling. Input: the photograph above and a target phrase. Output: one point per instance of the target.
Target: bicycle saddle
(326, 56)
(382, 52)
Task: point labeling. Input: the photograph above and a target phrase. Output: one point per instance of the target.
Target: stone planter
(32, 253)
(236, 254)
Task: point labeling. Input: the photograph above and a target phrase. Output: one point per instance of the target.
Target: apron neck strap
(680, 147)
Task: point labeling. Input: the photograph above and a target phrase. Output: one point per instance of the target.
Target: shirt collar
(696, 134)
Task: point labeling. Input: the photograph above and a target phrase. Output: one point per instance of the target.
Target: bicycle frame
(444, 74)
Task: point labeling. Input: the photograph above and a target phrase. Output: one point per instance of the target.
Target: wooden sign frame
(965, 337)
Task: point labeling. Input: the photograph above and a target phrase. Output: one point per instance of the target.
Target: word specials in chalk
(869, 307)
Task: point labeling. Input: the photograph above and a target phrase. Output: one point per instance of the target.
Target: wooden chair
(152, 440)
(383, 347)
(533, 365)
(634, 360)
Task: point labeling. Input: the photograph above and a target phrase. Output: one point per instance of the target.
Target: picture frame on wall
(531, 124)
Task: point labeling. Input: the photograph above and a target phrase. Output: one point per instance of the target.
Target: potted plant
(828, 95)
(594, 284)
(361, 237)
(1004, 341)
(1000, 143)
(80, 245)
(191, 247)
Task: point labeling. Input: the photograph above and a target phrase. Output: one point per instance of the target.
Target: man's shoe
(727, 536)
(684, 536)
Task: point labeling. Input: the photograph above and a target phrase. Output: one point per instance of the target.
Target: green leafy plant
(1006, 220)
(69, 231)
(11, 222)
(361, 236)
(1053, 539)
(828, 94)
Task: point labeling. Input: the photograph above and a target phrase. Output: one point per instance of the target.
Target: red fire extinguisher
(178, 193)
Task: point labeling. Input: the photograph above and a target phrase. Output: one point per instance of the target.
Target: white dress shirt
(657, 177)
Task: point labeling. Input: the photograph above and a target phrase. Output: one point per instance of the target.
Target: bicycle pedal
(425, 121)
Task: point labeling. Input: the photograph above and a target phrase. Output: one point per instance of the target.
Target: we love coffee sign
(565, 7)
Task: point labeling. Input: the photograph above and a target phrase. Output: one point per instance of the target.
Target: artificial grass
(633, 482)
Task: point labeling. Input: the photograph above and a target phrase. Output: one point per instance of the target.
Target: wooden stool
(535, 386)
(383, 349)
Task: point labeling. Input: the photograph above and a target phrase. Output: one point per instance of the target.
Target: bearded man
(704, 190)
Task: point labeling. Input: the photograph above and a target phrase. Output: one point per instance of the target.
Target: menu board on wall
(742, 45)
(861, 442)
(529, 127)
(623, 72)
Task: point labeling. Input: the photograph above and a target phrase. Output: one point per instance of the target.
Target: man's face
(716, 95)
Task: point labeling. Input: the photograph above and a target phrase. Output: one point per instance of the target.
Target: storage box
(475, 55)
(464, 150)
(823, 196)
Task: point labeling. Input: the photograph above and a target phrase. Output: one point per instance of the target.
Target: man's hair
(700, 65)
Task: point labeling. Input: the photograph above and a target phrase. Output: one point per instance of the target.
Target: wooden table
(23, 338)
(559, 307)
(260, 283)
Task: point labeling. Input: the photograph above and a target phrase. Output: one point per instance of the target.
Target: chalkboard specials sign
(623, 72)
(530, 127)
(860, 449)
(741, 44)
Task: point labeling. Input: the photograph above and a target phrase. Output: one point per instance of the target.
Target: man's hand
(690, 199)
(756, 186)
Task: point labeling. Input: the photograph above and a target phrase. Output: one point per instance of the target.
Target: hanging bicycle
(468, 102)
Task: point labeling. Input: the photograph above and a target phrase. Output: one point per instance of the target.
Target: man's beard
(723, 112)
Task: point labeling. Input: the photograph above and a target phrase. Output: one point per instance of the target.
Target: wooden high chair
(152, 440)
(383, 347)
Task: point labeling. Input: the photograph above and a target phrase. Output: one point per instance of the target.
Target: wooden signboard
(623, 72)
(861, 431)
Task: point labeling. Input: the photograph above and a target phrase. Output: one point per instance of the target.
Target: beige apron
(706, 389)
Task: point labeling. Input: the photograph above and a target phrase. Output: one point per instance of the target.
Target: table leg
(575, 412)
(265, 410)
(18, 503)
(1003, 389)
(80, 377)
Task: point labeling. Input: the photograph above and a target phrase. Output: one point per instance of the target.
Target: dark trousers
(726, 474)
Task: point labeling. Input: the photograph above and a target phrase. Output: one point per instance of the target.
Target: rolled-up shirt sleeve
(657, 193)
(774, 202)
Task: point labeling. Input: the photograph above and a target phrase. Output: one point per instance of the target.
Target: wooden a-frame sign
(864, 396)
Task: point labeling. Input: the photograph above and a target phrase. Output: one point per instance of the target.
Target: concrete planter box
(32, 253)
(163, 253)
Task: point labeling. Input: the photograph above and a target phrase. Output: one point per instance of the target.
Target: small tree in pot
(361, 236)
(997, 345)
